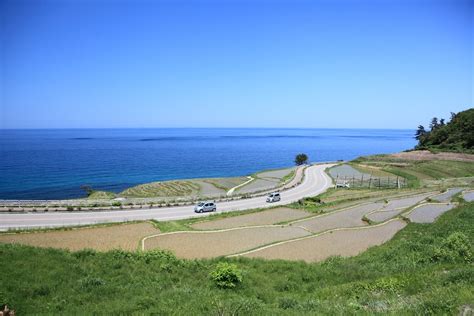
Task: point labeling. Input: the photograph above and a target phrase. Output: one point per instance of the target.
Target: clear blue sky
(355, 64)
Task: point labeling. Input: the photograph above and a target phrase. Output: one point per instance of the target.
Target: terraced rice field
(351, 217)
(347, 171)
(126, 237)
(266, 180)
(446, 196)
(268, 217)
(406, 202)
(225, 184)
(428, 213)
(347, 242)
(192, 245)
(468, 196)
(275, 174)
(383, 215)
(163, 189)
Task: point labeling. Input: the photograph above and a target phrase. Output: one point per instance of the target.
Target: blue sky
(353, 64)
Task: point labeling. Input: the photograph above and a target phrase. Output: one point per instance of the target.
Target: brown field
(427, 155)
(267, 217)
(126, 237)
(429, 212)
(344, 243)
(351, 217)
(191, 245)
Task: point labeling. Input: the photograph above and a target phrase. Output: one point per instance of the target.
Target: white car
(273, 197)
(205, 207)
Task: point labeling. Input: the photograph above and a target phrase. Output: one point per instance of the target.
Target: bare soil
(338, 243)
(191, 245)
(268, 217)
(427, 155)
(429, 212)
(126, 237)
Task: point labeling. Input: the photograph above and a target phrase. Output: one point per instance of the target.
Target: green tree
(434, 123)
(88, 189)
(301, 159)
(420, 133)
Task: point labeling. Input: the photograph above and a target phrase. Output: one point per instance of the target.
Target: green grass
(399, 277)
(288, 177)
(101, 195)
(418, 172)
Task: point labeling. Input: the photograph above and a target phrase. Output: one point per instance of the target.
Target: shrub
(226, 275)
(119, 254)
(456, 246)
(70, 208)
(84, 253)
(153, 255)
(287, 303)
(91, 282)
(116, 203)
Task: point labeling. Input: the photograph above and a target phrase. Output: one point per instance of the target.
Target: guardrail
(77, 205)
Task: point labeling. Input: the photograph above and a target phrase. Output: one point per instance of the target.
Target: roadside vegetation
(424, 269)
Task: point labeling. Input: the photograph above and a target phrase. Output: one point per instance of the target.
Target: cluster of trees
(457, 134)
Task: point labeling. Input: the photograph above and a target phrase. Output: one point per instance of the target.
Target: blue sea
(53, 164)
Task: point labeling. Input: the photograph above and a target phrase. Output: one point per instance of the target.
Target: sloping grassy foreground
(424, 269)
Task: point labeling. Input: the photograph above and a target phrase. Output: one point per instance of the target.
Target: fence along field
(348, 176)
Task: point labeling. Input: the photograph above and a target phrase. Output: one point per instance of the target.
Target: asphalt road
(315, 182)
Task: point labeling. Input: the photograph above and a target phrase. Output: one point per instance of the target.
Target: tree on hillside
(420, 134)
(457, 134)
(434, 123)
(301, 159)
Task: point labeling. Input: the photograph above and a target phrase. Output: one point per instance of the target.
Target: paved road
(315, 182)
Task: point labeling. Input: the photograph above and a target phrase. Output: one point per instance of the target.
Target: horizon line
(110, 128)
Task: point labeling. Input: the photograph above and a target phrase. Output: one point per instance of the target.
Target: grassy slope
(417, 171)
(398, 277)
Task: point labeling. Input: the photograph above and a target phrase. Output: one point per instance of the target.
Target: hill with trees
(455, 135)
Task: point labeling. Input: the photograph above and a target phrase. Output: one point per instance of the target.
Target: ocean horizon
(54, 163)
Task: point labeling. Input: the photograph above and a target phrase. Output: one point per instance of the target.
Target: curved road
(315, 182)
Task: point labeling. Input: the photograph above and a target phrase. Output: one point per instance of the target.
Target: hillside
(425, 269)
(456, 135)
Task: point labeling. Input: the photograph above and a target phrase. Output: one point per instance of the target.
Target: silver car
(205, 207)
(273, 197)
